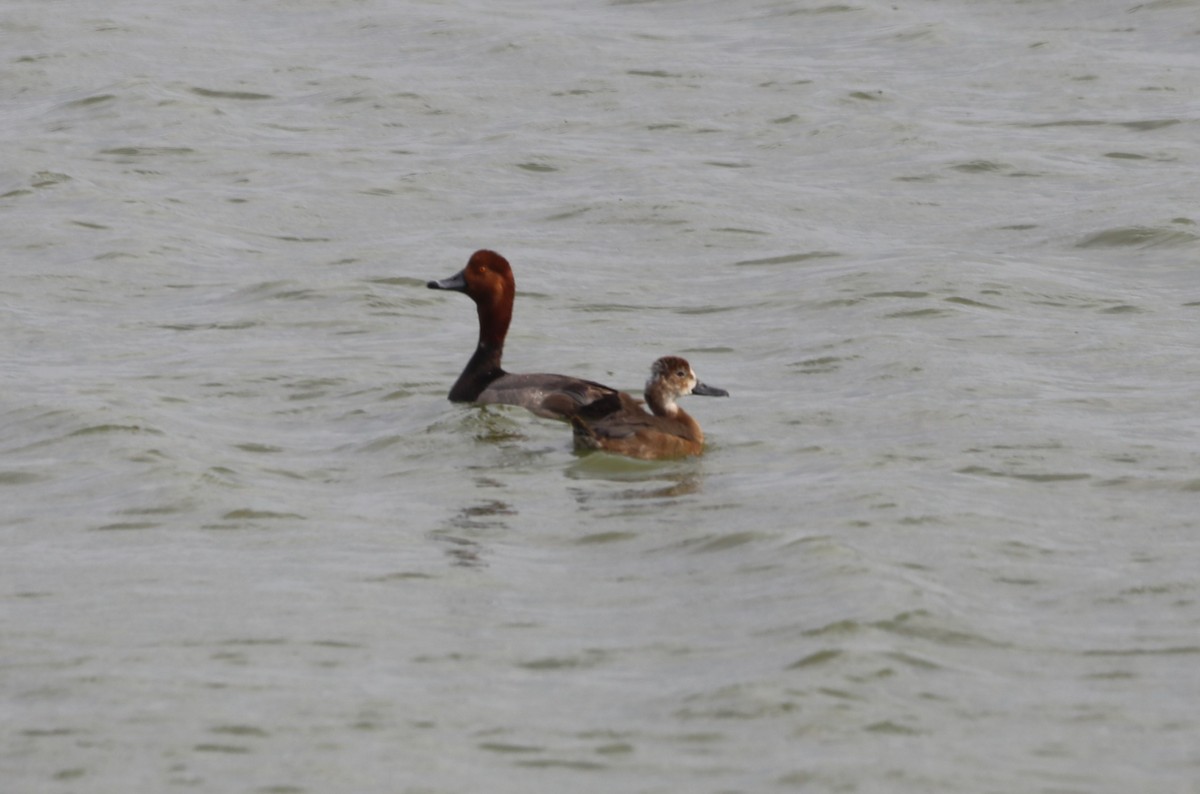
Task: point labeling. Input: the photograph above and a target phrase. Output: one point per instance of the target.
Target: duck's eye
(680, 373)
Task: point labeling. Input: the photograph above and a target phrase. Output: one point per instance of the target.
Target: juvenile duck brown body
(618, 423)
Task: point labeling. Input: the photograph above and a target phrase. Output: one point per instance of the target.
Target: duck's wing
(612, 404)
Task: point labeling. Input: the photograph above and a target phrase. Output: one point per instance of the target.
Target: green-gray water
(943, 255)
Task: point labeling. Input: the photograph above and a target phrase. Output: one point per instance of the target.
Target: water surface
(942, 255)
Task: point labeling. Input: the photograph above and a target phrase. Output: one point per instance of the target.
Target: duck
(618, 423)
(488, 280)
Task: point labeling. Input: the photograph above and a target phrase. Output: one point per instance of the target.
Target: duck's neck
(681, 423)
(484, 367)
(662, 404)
(495, 315)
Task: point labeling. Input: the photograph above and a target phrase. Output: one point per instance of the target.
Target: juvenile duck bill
(457, 282)
(704, 390)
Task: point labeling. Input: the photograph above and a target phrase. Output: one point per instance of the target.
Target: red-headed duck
(619, 423)
(488, 280)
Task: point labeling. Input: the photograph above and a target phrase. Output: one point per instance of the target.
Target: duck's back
(547, 395)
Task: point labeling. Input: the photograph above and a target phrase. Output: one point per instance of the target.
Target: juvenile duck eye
(680, 373)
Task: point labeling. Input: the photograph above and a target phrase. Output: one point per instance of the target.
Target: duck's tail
(585, 436)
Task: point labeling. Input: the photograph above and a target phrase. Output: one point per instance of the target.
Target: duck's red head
(488, 280)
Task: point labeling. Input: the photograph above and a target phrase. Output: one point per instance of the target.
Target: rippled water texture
(943, 255)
